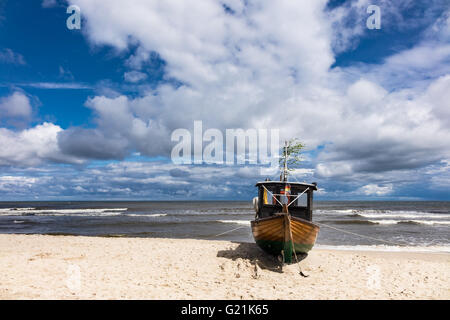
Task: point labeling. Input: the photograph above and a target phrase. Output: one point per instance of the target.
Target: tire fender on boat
(255, 204)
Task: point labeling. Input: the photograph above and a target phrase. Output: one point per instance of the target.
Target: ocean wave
(386, 222)
(371, 213)
(145, 215)
(243, 222)
(331, 211)
(355, 221)
(15, 210)
(214, 213)
(61, 212)
(405, 215)
(426, 222)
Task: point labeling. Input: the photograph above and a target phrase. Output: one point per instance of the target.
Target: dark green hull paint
(275, 248)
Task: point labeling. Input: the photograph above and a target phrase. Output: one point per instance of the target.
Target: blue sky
(89, 113)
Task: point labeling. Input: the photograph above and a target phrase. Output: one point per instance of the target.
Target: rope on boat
(337, 229)
(372, 238)
(220, 234)
(296, 259)
(360, 235)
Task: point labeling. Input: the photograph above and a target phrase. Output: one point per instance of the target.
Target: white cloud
(134, 76)
(17, 105)
(373, 189)
(32, 146)
(8, 183)
(266, 65)
(364, 93)
(57, 85)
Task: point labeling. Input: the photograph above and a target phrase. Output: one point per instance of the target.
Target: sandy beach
(67, 267)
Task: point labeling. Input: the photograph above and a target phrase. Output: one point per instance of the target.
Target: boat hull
(284, 234)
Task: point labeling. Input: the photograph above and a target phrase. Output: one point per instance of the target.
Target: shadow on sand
(257, 257)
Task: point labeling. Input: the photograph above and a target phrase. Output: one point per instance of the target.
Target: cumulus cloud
(157, 180)
(31, 147)
(11, 182)
(373, 189)
(16, 106)
(266, 64)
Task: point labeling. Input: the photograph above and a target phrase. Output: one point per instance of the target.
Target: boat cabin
(272, 195)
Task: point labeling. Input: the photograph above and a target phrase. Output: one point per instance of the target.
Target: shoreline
(84, 267)
(438, 249)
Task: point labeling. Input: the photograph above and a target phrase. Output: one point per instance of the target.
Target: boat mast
(285, 174)
(285, 169)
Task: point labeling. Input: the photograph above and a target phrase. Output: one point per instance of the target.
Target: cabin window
(302, 201)
(268, 195)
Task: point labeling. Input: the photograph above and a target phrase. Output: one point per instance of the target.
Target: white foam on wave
(410, 215)
(427, 222)
(431, 222)
(344, 211)
(370, 213)
(384, 221)
(146, 215)
(61, 212)
(14, 211)
(242, 222)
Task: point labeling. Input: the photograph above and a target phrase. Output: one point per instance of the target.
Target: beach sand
(66, 267)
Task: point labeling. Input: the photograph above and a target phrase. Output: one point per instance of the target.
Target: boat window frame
(277, 193)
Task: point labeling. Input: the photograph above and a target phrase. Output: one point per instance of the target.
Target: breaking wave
(61, 212)
(146, 215)
(243, 222)
(393, 222)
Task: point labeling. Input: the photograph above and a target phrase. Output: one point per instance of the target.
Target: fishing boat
(283, 221)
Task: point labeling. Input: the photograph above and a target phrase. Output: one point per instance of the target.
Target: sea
(380, 225)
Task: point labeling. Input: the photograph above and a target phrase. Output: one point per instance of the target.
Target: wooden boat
(283, 221)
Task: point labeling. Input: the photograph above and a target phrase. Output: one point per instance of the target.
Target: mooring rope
(220, 234)
(295, 255)
(360, 235)
(372, 238)
(337, 229)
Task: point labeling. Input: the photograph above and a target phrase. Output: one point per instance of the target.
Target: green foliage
(294, 150)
